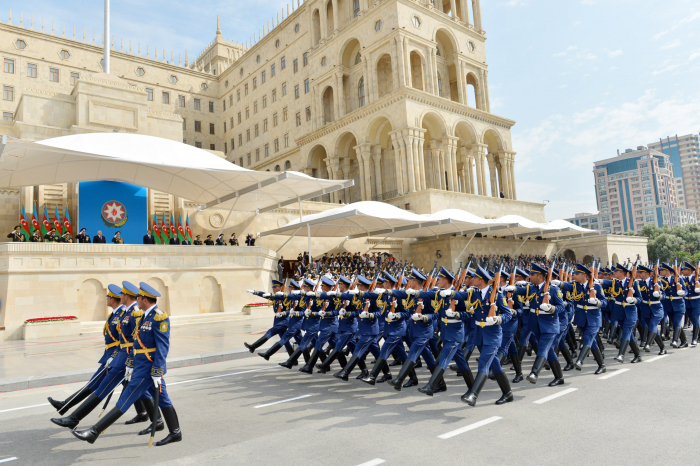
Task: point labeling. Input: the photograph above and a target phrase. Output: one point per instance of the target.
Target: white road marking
(612, 374)
(283, 401)
(464, 429)
(7, 460)
(556, 395)
(23, 407)
(656, 358)
(218, 376)
(374, 462)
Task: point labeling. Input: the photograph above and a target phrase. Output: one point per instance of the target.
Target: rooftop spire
(218, 25)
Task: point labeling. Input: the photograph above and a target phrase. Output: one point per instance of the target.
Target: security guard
(145, 369)
(692, 301)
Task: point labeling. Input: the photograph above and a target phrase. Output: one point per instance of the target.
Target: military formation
(439, 320)
(137, 340)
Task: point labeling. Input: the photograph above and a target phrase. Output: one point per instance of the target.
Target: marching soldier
(625, 309)
(652, 312)
(510, 328)
(692, 301)
(308, 309)
(294, 323)
(327, 326)
(347, 323)
(280, 324)
(145, 369)
(16, 235)
(674, 304)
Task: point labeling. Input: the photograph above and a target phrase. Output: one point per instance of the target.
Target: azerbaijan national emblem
(114, 214)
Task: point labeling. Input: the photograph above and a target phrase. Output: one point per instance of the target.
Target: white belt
(451, 321)
(586, 307)
(624, 304)
(694, 297)
(655, 302)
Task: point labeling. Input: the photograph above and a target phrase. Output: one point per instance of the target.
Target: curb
(23, 383)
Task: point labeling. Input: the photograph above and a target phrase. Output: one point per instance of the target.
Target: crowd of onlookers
(347, 263)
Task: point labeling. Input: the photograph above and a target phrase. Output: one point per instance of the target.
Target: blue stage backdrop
(111, 206)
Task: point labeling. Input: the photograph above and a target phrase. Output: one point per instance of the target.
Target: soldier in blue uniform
(421, 330)
(279, 325)
(625, 309)
(524, 299)
(692, 300)
(544, 323)
(488, 334)
(327, 327)
(674, 303)
(510, 328)
(289, 302)
(367, 329)
(565, 319)
(347, 324)
(145, 368)
(588, 315)
(307, 309)
(651, 309)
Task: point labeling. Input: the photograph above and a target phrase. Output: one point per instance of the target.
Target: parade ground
(249, 411)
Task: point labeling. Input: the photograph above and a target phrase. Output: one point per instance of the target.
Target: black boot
(345, 372)
(363, 368)
(79, 414)
(327, 363)
(419, 363)
(256, 345)
(141, 414)
(683, 340)
(518, 368)
(386, 375)
(675, 342)
(623, 349)
(407, 367)
(468, 379)
(149, 404)
(635, 350)
(644, 334)
(471, 396)
(581, 357)
(63, 406)
(659, 341)
(599, 359)
(611, 340)
(91, 434)
(453, 367)
(521, 353)
(647, 343)
(694, 341)
(175, 434)
(412, 379)
(568, 358)
(600, 342)
(374, 373)
(309, 366)
(558, 374)
(289, 363)
(507, 396)
(429, 389)
(536, 368)
(273, 349)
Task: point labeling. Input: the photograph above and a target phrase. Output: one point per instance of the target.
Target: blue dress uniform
(420, 330)
(524, 295)
(651, 311)
(509, 329)
(625, 308)
(674, 305)
(347, 324)
(307, 322)
(289, 302)
(327, 327)
(146, 368)
(367, 331)
(488, 336)
(279, 325)
(692, 302)
(588, 316)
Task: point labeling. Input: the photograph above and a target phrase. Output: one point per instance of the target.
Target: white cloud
(660, 35)
(671, 45)
(614, 53)
(565, 52)
(694, 55)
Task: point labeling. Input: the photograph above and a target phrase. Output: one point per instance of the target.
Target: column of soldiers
(137, 340)
(437, 318)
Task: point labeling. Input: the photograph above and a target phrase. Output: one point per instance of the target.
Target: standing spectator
(197, 240)
(220, 240)
(16, 235)
(233, 241)
(148, 238)
(98, 238)
(117, 239)
(186, 242)
(209, 241)
(51, 236)
(83, 237)
(174, 240)
(249, 240)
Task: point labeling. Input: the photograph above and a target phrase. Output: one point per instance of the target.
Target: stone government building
(390, 93)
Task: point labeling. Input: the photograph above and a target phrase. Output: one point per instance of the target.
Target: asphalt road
(253, 412)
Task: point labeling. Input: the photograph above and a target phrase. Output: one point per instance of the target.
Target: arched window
(277, 168)
(287, 165)
(358, 58)
(439, 85)
(355, 8)
(361, 92)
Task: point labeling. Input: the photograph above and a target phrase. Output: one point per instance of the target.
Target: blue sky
(582, 78)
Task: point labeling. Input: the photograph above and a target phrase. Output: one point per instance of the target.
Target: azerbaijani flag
(164, 228)
(45, 225)
(35, 221)
(181, 235)
(25, 225)
(66, 223)
(156, 230)
(187, 227)
(173, 230)
(57, 222)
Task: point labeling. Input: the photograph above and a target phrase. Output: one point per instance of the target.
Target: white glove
(513, 312)
(631, 300)
(266, 295)
(307, 312)
(546, 308)
(322, 313)
(364, 314)
(449, 313)
(682, 293)
(490, 321)
(416, 317)
(447, 293)
(250, 291)
(697, 290)
(392, 315)
(333, 293)
(343, 312)
(296, 292)
(279, 293)
(656, 294)
(412, 292)
(310, 293)
(156, 381)
(510, 288)
(596, 281)
(556, 282)
(593, 301)
(279, 315)
(129, 371)
(354, 292)
(521, 283)
(379, 291)
(109, 361)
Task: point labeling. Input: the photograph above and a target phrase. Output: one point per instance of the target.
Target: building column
(430, 71)
(447, 143)
(420, 142)
(435, 165)
(504, 176)
(407, 64)
(468, 170)
(479, 152)
(363, 151)
(513, 192)
(465, 12)
(377, 160)
(453, 7)
(401, 61)
(461, 82)
(485, 87)
(347, 195)
(477, 15)
(324, 20)
(397, 159)
(492, 174)
(368, 89)
(341, 96)
(336, 26)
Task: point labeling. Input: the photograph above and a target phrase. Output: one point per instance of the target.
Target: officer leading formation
(438, 318)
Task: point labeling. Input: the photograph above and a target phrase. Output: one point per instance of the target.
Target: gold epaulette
(138, 313)
(104, 329)
(159, 317)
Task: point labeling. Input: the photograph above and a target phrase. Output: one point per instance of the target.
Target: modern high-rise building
(685, 157)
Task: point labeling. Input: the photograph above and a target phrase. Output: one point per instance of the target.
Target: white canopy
(161, 164)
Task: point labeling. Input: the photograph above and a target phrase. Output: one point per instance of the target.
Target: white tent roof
(161, 164)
